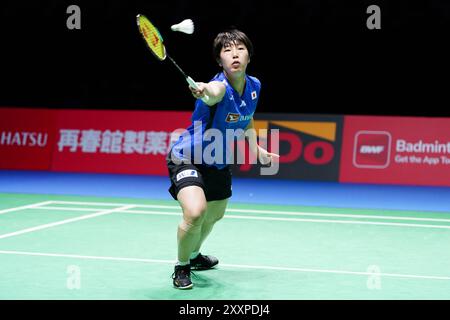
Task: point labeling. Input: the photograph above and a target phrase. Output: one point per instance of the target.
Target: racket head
(152, 37)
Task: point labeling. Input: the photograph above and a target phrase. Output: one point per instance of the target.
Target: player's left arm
(264, 156)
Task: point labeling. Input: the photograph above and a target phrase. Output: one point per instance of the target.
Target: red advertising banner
(309, 147)
(26, 138)
(396, 150)
(129, 142)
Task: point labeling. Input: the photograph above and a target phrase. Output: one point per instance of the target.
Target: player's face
(234, 58)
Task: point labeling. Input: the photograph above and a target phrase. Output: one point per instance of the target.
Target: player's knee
(216, 210)
(216, 216)
(220, 216)
(195, 214)
(192, 220)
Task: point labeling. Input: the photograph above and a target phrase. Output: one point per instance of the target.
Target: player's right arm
(214, 89)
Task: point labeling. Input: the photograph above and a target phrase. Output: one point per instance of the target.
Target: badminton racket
(155, 43)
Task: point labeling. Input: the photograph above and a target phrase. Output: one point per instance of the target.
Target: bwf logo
(372, 149)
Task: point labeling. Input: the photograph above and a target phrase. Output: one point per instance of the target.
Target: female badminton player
(203, 188)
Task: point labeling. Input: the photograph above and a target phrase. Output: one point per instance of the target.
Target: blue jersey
(232, 113)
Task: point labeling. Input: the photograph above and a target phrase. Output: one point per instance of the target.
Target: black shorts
(216, 183)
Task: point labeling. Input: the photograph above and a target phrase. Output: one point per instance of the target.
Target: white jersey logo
(254, 95)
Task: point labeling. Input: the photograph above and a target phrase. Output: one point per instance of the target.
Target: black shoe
(182, 277)
(202, 262)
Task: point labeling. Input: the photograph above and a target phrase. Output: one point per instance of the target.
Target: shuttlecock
(186, 26)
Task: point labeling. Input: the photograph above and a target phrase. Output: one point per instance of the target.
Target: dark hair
(228, 37)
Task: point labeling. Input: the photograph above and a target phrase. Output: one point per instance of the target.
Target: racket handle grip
(193, 84)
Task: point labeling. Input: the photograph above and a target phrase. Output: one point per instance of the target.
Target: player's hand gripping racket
(154, 41)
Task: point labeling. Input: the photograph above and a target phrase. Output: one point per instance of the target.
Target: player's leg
(218, 191)
(187, 187)
(193, 203)
(214, 212)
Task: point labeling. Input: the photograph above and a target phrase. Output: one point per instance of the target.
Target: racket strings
(153, 38)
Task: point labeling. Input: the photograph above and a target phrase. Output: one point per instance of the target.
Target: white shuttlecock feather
(186, 26)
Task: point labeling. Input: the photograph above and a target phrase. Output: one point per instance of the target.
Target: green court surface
(67, 247)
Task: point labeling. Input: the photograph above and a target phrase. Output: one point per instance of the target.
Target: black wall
(312, 56)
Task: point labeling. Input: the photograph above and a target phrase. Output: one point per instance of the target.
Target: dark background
(312, 56)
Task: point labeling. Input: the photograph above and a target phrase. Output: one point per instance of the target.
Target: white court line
(362, 273)
(29, 206)
(84, 203)
(54, 224)
(416, 225)
(274, 212)
(77, 256)
(67, 209)
(339, 215)
(313, 214)
(343, 222)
